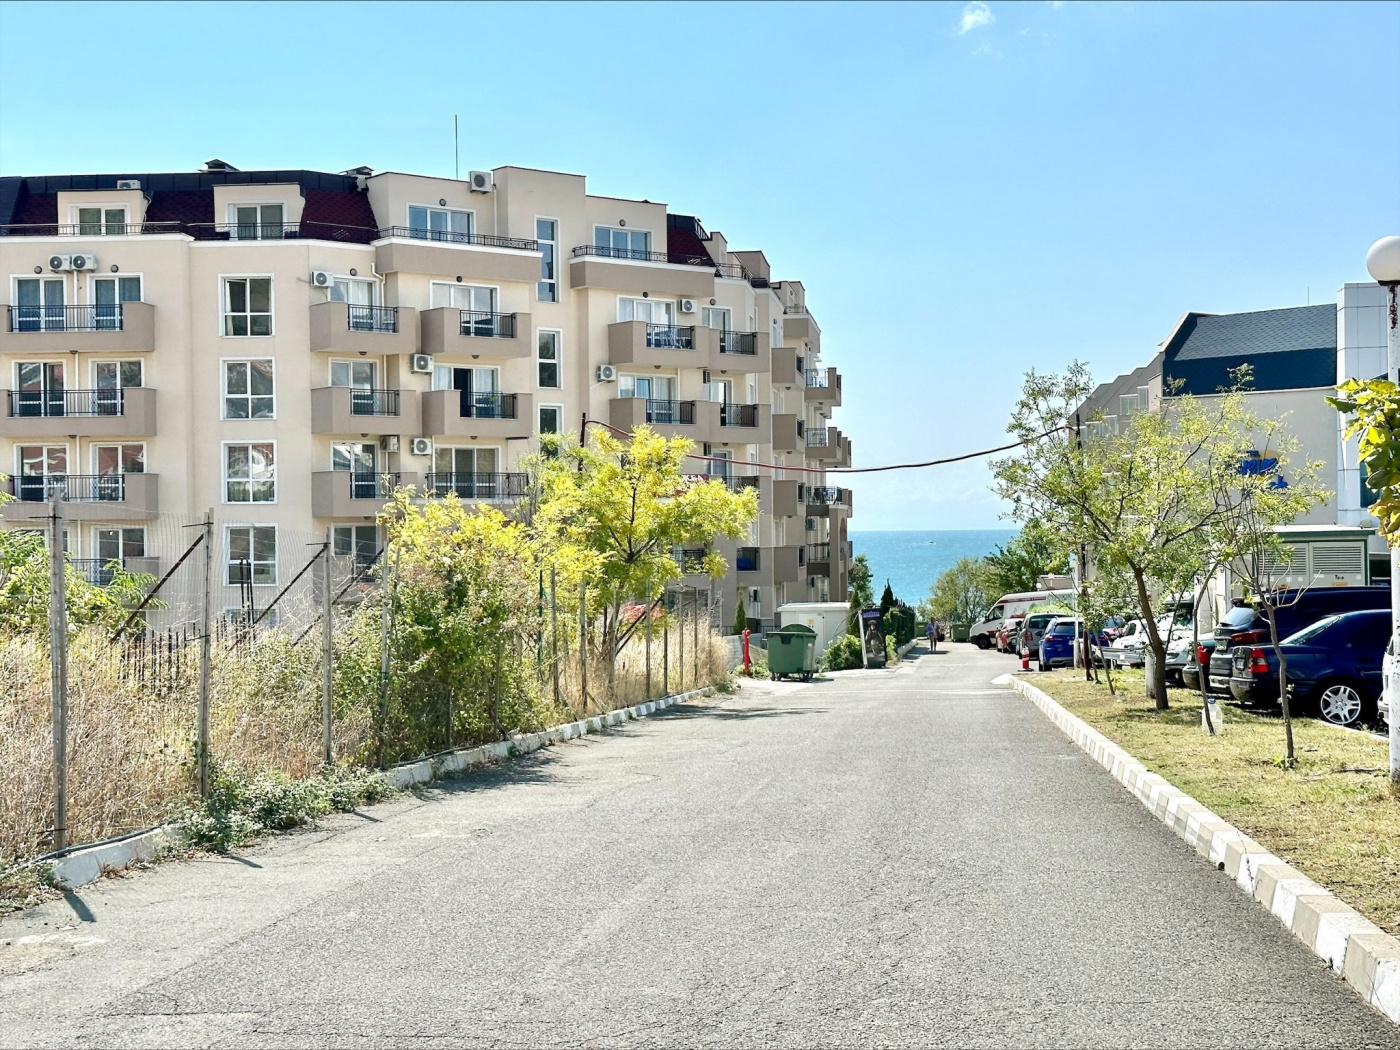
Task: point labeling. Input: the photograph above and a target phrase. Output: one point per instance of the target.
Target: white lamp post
(1383, 262)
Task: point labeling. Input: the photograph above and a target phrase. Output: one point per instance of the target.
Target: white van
(984, 634)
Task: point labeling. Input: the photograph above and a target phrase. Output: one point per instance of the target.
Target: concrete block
(1278, 886)
(1334, 930)
(1308, 910)
(1373, 969)
(1236, 851)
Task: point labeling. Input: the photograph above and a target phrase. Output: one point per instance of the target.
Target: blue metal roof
(1289, 349)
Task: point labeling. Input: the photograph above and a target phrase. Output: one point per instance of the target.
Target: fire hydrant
(1025, 656)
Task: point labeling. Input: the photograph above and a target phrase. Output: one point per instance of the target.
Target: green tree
(741, 615)
(24, 589)
(1028, 556)
(962, 593)
(862, 594)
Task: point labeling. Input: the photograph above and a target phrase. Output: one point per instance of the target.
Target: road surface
(910, 857)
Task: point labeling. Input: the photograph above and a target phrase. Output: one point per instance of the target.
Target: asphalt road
(902, 858)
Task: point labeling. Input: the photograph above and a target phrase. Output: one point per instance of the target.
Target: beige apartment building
(287, 346)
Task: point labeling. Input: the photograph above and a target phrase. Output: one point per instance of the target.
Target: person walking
(932, 635)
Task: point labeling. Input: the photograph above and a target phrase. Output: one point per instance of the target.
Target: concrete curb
(1356, 949)
(86, 864)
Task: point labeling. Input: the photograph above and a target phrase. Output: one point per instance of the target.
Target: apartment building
(286, 347)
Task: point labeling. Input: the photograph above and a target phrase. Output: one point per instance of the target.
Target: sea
(911, 561)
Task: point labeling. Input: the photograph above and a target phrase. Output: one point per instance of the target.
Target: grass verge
(1333, 816)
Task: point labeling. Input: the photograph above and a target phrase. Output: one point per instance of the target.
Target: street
(912, 857)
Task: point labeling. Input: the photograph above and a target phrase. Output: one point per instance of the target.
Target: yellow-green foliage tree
(1372, 411)
(610, 513)
(24, 589)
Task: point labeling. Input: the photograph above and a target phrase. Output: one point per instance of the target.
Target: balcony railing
(488, 405)
(485, 240)
(817, 438)
(383, 319)
(741, 482)
(364, 402)
(691, 560)
(67, 402)
(738, 415)
(478, 486)
(87, 229)
(826, 496)
(378, 486)
(97, 571)
(680, 413)
(816, 377)
(75, 488)
(736, 270)
(738, 343)
(203, 231)
(797, 308)
(818, 552)
(746, 559)
(670, 337)
(93, 318)
(486, 325)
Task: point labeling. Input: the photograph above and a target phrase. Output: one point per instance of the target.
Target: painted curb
(1356, 949)
(86, 864)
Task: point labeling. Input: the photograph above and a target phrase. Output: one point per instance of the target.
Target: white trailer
(828, 619)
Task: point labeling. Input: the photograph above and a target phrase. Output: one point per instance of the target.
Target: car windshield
(1311, 632)
(1064, 628)
(1240, 616)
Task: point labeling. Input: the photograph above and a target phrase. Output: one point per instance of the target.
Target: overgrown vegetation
(843, 654)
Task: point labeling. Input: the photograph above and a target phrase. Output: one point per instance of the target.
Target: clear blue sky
(967, 190)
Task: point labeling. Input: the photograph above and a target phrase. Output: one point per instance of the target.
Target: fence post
(204, 654)
(384, 615)
(648, 630)
(583, 646)
(665, 650)
(680, 637)
(327, 652)
(554, 629)
(695, 638)
(58, 668)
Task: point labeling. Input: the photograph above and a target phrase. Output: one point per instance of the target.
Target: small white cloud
(976, 15)
(1057, 4)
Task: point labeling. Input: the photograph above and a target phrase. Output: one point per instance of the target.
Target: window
(256, 222)
(98, 222)
(37, 462)
(715, 317)
(439, 224)
(252, 555)
(547, 233)
(478, 305)
(250, 473)
(117, 375)
(361, 461)
(548, 359)
(470, 473)
(237, 614)
(248, 306)
(39, 304)
(248, 389)
(349, 290)
(39, 387)
(622, 244)
(120, 544)
(358, 375)
(118, 459)
(551, 416)
(358, 541)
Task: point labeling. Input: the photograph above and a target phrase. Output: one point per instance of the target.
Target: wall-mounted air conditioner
(83, 261)
(322, 278)
(481, 181)
(606, 374)
(128, 184)
(421, 447)
(60, 262)
(421, 363)
(687, 306)
(389, 443)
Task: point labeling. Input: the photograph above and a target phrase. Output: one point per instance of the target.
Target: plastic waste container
(961, 631)
(792, 650)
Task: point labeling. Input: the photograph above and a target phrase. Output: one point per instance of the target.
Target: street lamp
(1383, 262)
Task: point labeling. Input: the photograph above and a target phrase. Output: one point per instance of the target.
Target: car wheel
(981, 642)
(1340, 703)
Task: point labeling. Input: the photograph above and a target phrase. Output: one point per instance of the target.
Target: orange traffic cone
(1025, 658)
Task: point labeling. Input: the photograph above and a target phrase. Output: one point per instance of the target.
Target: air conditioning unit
(481, 181)
(322, 278)
(421, 363)
(420, 446)
(128, 184)
(687, 306)
(84, 261)
(389, 443)
(60, 262)
(606, 374)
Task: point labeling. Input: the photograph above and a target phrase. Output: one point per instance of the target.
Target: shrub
(843, 654)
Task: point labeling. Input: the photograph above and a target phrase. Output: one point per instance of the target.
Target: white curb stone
(86, 865)
(1366, 956)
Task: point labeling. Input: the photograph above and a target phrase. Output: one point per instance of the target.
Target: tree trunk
(1282, 687)
(1157, 680)
(1196, 655)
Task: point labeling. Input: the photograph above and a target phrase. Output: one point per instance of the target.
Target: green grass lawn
(1333, 816)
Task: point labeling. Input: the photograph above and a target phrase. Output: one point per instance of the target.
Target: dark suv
(1247, 625)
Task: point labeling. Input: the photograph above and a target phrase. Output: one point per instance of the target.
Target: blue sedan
(1057, 643)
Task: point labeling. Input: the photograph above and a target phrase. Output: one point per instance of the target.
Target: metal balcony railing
(92, 318)
(365, 402)
(487, 405)
(738, 343)
(203, 231)
(818, 552)
(817, 438)
(746, 559)
(738, 415)
(379, 486)
(383, 319)
(485, 240)
(691, 560)
(826, 496)
(816, 377)
(478, 486)
(670, 337)
(680, 413)
(486, 325)
(87, 229)
(67, 402)
(741, 482)
(75, 488)
(97, 571)
(735, 270)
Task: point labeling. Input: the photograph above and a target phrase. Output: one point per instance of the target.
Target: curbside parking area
(1356, 949)
(85, 864)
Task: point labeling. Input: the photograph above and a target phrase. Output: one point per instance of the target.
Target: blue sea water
(911, 561)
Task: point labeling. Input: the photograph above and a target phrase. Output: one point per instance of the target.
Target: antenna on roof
(456, 151)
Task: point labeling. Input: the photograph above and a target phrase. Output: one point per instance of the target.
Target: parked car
(1008, 635)
(1245, 624)
(984, 634)
(1057, 643)
(1387, 666)
(1334, 667)
(1195, 660)
(1034, 628)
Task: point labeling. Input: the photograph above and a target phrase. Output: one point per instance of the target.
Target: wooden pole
(583, 646)
(205, 652)
(554, 628)
(58, 668)
(648, 630)
(327, 652)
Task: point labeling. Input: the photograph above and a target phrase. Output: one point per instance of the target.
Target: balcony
(346, 328)
(668, 418)
(461, 413)
(468, 256)
(347, 410)
(787, 433)
(128, 412)
(824, 444)
(663, 346)
(120, 327)
(823, 387)
(478, 488)
(623, 269)
(799, 326)
(349, 494)
(100, 573)
(822, 501)
(787, 498)
(789, 367)
(475, 333)
(818, 559)
(742, 352)
(768, 566)
(742, 424)
(86, 497)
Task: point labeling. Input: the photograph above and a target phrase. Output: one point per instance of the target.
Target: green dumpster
(961, 631)
(792, 650)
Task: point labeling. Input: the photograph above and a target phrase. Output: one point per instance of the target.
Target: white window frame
(118, 361)
(638, 299)
(224, 362)
(558, 224)
(224, 479)
(234, 614)
(375, 363)
(224, 311)
(375, 291)
(74, 210)
(21, 443)
(470, 213)
(69, 290)
(118, 443)
(231, 215)
(629, 230)
(557, 407)
(119, 528)
(228, 551)
(93, 278)
(494, 289)
(558, 358)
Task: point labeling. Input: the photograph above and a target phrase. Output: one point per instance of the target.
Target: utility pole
(680, 634)
(665, 653)
(58, 667)
(583, 646)
(648, 630)
(327, 651)
(695, 638)
(205, 655)
(384, 619)
(554, 628)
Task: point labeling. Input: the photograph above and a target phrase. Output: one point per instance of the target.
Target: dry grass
(1334, 816)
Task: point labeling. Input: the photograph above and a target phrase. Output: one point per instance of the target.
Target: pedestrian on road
(932, 635)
